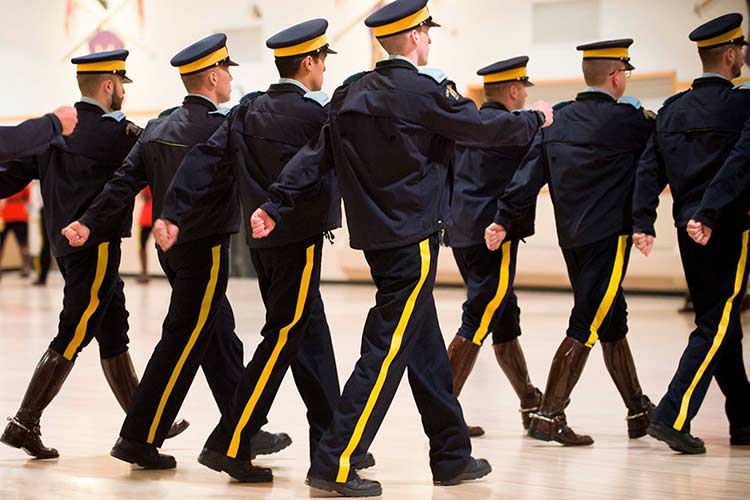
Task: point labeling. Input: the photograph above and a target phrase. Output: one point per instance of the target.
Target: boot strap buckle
(528, 410)
(541, 417)
(18, 424)
(637, 415)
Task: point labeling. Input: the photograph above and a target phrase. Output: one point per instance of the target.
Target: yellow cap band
(101, 66)
(506, 76)
(614, 53)
(205, 61)
(301, 48)
(402, 24)
(718, 40)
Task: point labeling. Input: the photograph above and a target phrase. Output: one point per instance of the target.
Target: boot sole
(206, 461)
(341, 489)
(125, 457)
(282, 445)
(465, 476)
(541, 436)
(673, 443)
(13, 442)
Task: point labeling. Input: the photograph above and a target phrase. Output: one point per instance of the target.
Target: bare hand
(643, 242)
(261, 224)
(545, 108)
(76, 233)
(699, 232)
(165, 233)
(68, 117)
(494, 235)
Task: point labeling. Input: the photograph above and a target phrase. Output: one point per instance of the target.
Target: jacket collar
(200, 100)
(594, 96)
(87, 105)
(712, 80)
(395, 63)
(285, 87)
(494, 105)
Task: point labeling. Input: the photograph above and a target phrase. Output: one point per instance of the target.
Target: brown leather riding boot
(462, 355)
(549, 423)
(619, 362)
(510, 357)
(123, 381)
(23, 431)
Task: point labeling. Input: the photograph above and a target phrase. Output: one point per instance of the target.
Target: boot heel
(13, 435)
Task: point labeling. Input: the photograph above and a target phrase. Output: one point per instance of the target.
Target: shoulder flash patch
(650, 115)
(251, 96)
(435, 73)
(220, 112)
(167, 112)
(353, 78)
(319, 97)
(561, 105)
(630, 100)
(742, 86)
(133, 129)
(117, 116)
(675, 97)
(451, 92)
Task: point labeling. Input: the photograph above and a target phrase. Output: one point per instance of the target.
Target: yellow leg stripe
(718, 339)
(208, 297)
(398, 335)
(502, 290)
(80, 333)
(247, 412)
(609, 295)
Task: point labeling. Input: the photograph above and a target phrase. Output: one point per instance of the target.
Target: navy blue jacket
(73, 170)
(481, 177)
(154, 161)
(695, 132)
(588, 157)
(391, 140)
(260, 136)
(26, 137)
(728, 195)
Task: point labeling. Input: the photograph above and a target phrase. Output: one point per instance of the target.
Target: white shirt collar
(715, 75)
(401, 58)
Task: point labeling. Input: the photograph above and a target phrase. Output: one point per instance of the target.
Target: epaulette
(630, 101)
(318, 97)
(117, 116)
(133, 129)
(251, 96)
(675, 97)
(353, 78)
(742, 86)
(561, 105)
(167, 112)
(220, 112)
(435, 73)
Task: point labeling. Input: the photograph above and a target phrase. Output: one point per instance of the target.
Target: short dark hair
(289, 66)
(713, 56)
(90, 83)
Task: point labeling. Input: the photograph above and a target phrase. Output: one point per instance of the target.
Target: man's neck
(95, 102)
(723, 73)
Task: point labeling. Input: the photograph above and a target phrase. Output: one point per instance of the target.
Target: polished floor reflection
(84, 419)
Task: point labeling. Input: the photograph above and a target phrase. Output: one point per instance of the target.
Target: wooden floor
(84, 419)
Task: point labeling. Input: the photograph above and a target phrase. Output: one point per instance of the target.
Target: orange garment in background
(14, 209)
(144, 220)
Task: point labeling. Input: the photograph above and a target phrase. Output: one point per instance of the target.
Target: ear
(514, 92)
(108, 86)
(307, 63)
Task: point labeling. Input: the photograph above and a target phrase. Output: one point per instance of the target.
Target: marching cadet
(199, 327)
(24, 138)
(491, 305)
(695, 132)
(257, 140)
(390, 137)
(73, 170)
(588, 158)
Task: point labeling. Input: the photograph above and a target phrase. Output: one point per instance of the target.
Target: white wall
(37, 75)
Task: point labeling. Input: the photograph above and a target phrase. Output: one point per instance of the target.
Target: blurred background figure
(16, 220)
(144, 230)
